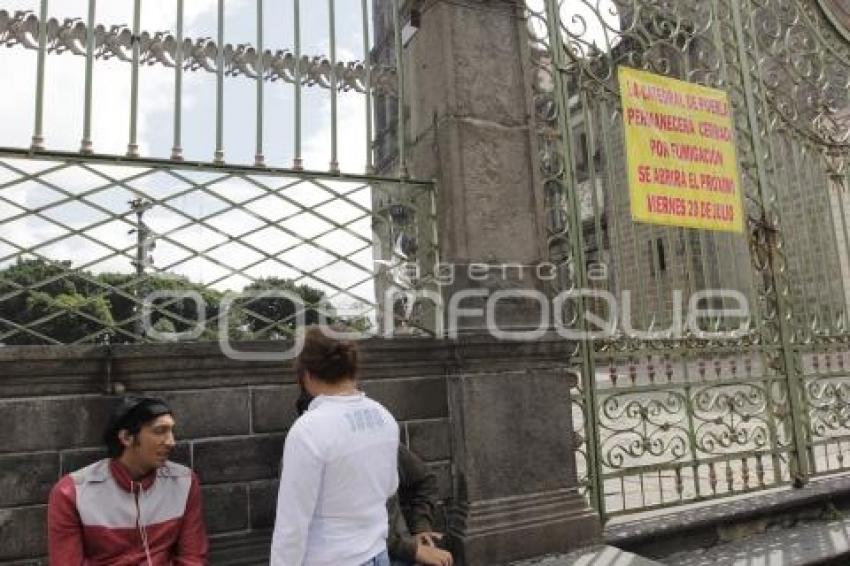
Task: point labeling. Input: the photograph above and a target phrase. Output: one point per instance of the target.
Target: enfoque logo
(612, 316)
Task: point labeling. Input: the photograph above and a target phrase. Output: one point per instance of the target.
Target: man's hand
(432, 556)
(429, 538)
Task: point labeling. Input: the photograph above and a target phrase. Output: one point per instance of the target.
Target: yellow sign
(681, 153)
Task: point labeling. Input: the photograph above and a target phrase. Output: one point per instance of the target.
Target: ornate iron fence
(374, 77)
(182, 230)
(661, 419)
(665, 419)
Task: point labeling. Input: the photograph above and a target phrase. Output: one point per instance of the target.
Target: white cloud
(351, 137)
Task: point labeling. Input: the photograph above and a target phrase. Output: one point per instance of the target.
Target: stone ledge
(488, 532)
(705, 525)
(807, 545)
(593, 556)
(243, 549)
(33, 371)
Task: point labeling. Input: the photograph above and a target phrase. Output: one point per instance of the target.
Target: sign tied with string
(680, 147)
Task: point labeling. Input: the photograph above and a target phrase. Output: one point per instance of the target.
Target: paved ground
(807, 544)
(597, 556)
(812, 543)
(818, 542)
(777, 535)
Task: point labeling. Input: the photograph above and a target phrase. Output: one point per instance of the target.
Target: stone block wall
(232, 418)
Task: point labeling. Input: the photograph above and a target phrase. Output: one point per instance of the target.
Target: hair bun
(343, 349)
(327, 358)
(335, 352)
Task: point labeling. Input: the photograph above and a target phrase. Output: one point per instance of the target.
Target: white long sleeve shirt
(339, 469)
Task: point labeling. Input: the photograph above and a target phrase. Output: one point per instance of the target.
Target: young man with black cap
(134, 507)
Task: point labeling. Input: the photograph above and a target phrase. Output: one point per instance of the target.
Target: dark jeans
(380, 559)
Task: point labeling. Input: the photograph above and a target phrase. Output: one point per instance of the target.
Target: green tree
(355, 323)
(52, 300)
(62, 304)
(80, 318)
(169, 313)
(273, 317)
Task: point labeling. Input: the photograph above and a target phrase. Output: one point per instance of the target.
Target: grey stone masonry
(515, 479)
(595, 556)
(470, 129)
(232, 420)
(466, 68)
(490, 418)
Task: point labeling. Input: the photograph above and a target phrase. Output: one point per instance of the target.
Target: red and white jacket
(98, 515)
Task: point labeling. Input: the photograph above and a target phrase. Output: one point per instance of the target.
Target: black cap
(131, 413)
(135, 410)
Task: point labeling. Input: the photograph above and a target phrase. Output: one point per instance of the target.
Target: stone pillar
(470, 109)
(513, 462)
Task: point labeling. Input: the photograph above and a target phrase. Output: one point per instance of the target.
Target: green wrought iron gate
(743, 403)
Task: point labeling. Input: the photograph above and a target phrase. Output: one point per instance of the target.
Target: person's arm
(400, 544)
(64, 528)
(418, 492)
(433, 556)
(192, 546)
(300, 479)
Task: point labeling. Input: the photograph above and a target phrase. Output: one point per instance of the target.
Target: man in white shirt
(339, 467)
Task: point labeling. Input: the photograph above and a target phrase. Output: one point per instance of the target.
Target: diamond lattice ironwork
(92, 251)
